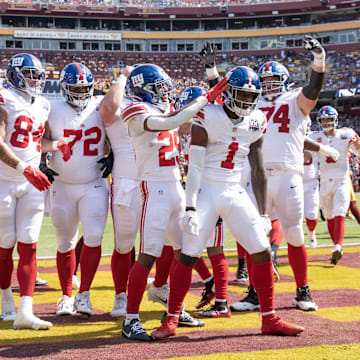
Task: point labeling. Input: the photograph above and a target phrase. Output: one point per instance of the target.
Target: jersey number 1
(228, 163)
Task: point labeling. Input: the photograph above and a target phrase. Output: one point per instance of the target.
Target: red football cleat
(275, 326)
(167, 329)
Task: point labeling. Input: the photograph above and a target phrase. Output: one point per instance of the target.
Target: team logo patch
(161, 192)
(137, 80)
(254, 125)
(184, 95)
(17, 61)
(343, 137)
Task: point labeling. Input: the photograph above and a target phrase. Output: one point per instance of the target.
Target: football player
(287, 113)
(79, 192)
(222, 137)
(155, 139)
(334, 175)
(23, 114)
(125, 204)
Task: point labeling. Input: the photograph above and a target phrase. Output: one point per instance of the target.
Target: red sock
(163, 265)
(202, 269)
(276, 234)
(355, 210)
(263, 278)
(136, 288)
(180, 283)
(89, 262)
(65, 266)
(250, 268)
(298, 261)
(331, 227)
(6, 267)
(78, 249)
(26, 271)
(241, 251)
(339, 230)
(311, 224)
(120, 269)
(221, 275)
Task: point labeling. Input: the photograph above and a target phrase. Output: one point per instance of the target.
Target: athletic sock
(26, 271)
(65, 263)
(120, 269)
(89, 262)
(298, 261)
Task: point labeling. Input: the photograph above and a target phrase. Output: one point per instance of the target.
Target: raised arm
(183, 115)
(307, 98)
(110, 106)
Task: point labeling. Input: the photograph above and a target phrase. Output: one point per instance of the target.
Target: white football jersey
(311, 167)
(124, 154)
(85, 133)
(342, 141)
(157, 155)
(284, 137)
(228, 144)
(25, 126)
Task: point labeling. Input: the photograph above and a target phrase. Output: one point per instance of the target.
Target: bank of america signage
(75, 35)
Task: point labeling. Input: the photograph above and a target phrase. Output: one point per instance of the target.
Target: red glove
(216, 90)
(37, 178)
(65, 150)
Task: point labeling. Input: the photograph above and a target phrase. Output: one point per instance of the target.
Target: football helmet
(242, 81)
(150, 83)
(327, 112)
(26, 73)
(77, 84)
(273, 88)
(188, 95)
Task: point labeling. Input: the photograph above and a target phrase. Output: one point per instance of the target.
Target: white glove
(190, 223)
(329, 151)
(266, 223)
(313, 45)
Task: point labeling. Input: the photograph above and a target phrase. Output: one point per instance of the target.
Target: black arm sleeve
(312, 90)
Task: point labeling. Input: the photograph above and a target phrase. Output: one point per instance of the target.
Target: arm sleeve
(193, 181)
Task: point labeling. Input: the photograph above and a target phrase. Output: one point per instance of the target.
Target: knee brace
(294, 235)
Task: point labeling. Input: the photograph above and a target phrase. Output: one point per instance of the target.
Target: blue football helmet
(242, 81)
(26, 73)
(150, 83)
(327, 112)
(188, 95)
(77, 84)
(273, 88)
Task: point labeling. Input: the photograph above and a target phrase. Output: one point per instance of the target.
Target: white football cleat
(120, 303)
(65, 306)
(8, 311)
(25, 319)
(82, 303)
(76, 281)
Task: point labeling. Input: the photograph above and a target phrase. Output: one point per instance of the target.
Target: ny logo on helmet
(184, 96)
(137, 80)
(17, 61)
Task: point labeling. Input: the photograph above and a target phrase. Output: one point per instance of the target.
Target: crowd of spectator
(152, 3)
